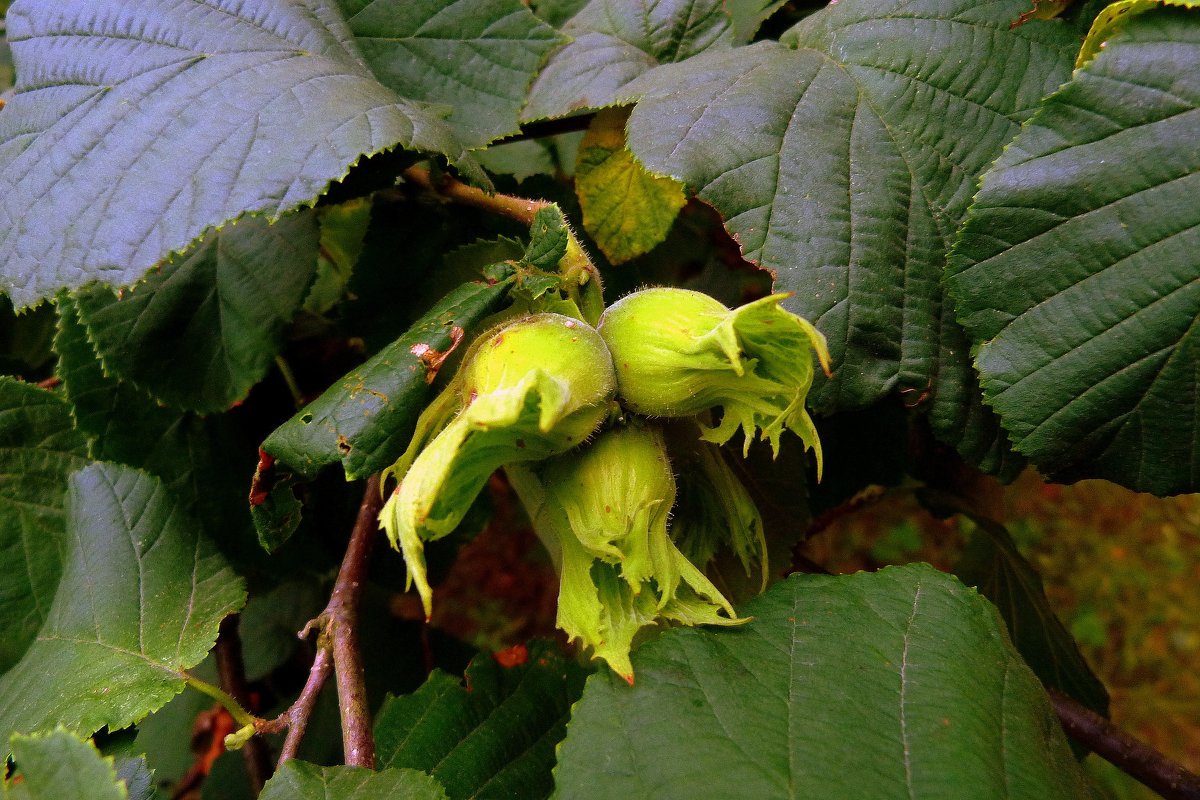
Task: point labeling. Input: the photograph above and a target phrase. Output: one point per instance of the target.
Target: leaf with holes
(139, 601)
(868, 685)
(841, 159)
(1076, 273)
(366, 418)
(259, 106)
(477, 56)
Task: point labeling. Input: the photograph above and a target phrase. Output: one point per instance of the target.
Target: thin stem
(240, 715)
(341, 629)
(550, 127)
(516, 208)
(1132, 756)
(338, 649)
(580, 276)
(289, 378)
(295, 719)
(232, 670)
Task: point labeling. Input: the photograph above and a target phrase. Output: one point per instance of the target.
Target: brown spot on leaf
(264, 478)
(433, 359)
(343, 446)
(514, 656)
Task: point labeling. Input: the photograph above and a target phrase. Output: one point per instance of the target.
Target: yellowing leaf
(626, 209)
(1109, 22)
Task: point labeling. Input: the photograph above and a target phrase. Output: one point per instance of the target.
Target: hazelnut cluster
(574, 416)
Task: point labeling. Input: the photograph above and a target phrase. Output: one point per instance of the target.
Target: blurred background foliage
(1121, 569)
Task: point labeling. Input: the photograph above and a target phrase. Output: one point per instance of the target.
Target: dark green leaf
(138, 778)
(227, 779)
(257, 107)
(900, 683)
(165, 735)
(476, 56)
(748, 15)
(993, 564)
(269, 623)
(202, 460)
(1076, 273)
(343, 229)
(298, 780)
(139, 601)
(615, 41)
(520, 159)
(205, 329)
(365, 419)
(6, 65)
(25, 340)
(842, 159)
(556, 12)
(57, 766)
(548, 239)
(496, 736)
(1112, 19)
(38, 449)
(959, 416)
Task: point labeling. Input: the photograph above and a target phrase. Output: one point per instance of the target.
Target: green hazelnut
(530, 389)
(680, 353)
(602, 511)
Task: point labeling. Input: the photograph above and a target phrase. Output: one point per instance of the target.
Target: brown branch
(580, 275)
(867, 497)
(338, 649)
(341, 629)
(1132, 756)
(550, 127)
(232, 672)
(449, 187)
(295, 719)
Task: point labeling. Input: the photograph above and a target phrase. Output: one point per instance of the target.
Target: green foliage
(140, 597)
(625, 209)
(767, 710)
(243, 283)
(1075, 274)
(238, 94)
(615, 41)
(434, 51)
(993, 564)
(39, 448)
(57, 765)
(849, 183)
(493, 737)
(297, 780)
(314, 233)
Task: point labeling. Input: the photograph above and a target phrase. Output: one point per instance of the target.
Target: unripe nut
(679, 353)
(533, 388)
